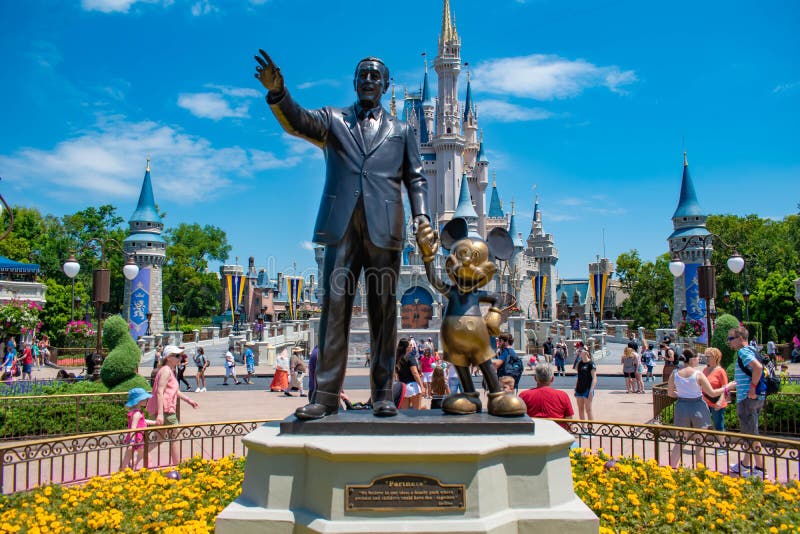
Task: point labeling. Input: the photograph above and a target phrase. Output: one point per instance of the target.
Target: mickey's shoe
(462, 404)
(506, 405)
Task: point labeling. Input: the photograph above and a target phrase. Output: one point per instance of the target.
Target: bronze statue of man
(369, 155)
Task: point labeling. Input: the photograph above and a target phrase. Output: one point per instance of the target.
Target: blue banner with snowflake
(140, 303)
(695, 306)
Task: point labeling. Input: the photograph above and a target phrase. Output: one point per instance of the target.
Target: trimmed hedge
(719, 338)
(26, 417)
(122, 362)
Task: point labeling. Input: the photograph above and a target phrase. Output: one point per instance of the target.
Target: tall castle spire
(146, 208)
(448, 27)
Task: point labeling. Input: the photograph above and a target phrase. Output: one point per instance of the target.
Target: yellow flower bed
(628, 495)
(632, 495)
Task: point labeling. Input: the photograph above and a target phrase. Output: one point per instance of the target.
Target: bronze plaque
(404, 493)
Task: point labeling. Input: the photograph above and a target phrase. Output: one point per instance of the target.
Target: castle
(455, 164)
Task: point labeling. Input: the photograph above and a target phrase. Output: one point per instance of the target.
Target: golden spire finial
(147, 169)
(494, 178)
(425, 60)
(512, 205)
(685, 161)
(447, 25)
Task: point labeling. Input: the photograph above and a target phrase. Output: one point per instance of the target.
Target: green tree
(187, 282)
(650, 284)
(773, 305)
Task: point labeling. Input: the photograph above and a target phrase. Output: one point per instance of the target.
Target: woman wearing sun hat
(164, 402)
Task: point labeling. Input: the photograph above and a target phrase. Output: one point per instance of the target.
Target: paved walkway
(233, 404)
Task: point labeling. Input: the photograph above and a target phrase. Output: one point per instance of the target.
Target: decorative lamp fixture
(676, 266)
(130, 270)
(736, 262)
(683, 313)
(726, 296)
(71, 267)
(746, 295)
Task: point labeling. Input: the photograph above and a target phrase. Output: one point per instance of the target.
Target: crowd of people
(20, 359)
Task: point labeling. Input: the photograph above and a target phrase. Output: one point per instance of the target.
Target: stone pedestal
(500, 476)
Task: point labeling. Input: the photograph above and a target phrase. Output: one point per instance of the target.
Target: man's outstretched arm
(309, 125)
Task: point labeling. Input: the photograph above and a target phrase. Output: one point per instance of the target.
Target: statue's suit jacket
(354, 170)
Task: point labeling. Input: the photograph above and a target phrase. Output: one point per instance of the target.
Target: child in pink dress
(134, 454)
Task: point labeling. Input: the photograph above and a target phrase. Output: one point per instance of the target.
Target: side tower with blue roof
(149, 249)
(688, 221)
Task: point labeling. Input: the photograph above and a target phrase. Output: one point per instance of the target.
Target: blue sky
(592, 102)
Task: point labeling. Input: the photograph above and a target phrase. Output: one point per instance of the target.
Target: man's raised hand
(268, 73)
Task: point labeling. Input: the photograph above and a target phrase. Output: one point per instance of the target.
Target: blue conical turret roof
(146, 208)
(495, 208)
(688, 206)
(465, 209)
(481, 156)
(516, 236)
(426, 96)
(468, 110)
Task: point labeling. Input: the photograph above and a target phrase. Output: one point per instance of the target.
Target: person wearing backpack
(507, 362)
(749, 398)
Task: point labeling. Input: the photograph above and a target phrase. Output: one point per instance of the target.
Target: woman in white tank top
(688, 384)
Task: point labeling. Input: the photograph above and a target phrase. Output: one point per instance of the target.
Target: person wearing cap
(166, 393)
(297, 368)
(137, 401)
(249, 362)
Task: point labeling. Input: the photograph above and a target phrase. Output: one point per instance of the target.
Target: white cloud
(316, 83)
(307, 245)
(202, 7)
(572, 201)
(238, 92)
(115, 6)
(107, 161)
(559, 217)
(225, 102)
(547, 77)
(502, 111)
(784, 87)
(210, 106)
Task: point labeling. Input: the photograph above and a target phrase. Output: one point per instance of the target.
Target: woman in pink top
(426, 366)
(717, 377)
(165, 397)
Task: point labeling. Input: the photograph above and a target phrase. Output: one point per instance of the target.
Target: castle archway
(416, 308)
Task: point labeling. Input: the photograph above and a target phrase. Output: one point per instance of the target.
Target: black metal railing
(779, 417)
(75, 459)
(677, 446)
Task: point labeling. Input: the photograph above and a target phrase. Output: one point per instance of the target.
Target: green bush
(720, 337)
(53, 416)
(136, 381)
(75, 388)
(122, 363)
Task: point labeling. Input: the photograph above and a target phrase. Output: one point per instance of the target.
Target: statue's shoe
(384, 408)
(506, 405)
(314, 411)
(462, 404)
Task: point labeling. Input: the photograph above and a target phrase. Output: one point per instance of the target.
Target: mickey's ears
(453, 231)
(500, 243)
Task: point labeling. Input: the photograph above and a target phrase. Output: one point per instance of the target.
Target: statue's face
(370, 83)
(468, 264)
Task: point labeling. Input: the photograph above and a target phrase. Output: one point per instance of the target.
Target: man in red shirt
(544, 401)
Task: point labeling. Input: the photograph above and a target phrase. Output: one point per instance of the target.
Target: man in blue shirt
(749, 399)
(505, 350)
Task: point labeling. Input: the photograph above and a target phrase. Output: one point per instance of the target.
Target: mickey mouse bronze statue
(465, 332)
